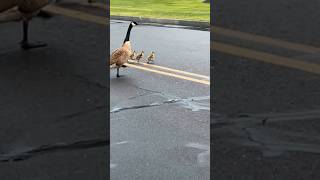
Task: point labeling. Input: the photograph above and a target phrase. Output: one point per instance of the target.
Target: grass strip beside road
(193, 10)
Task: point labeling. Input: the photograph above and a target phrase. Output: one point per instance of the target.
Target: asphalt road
(264, 111)
(159, 123)
(53, 101)
(265, 121)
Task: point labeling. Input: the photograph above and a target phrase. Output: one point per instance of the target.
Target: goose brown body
(20, 9)
(121, 55)
(5, 5)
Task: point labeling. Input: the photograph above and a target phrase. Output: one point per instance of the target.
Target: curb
(196, 24)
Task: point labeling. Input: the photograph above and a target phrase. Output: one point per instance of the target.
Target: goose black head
(133, 23)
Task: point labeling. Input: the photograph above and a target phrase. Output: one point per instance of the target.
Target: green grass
(194, 10)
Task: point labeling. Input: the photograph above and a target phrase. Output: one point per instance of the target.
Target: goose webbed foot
(27, 45)
(118, 75)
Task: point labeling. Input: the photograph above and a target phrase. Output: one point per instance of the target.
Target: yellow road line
(264, 40)
(169, 74)
(266, 57)
(175, 70)
(77, 15)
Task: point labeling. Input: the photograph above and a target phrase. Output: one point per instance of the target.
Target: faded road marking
(264, 40)
(77, 15)
(266, 57)
(119, 143)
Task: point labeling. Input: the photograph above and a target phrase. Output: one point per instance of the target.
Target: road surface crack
(116, 110)
(189, 103)
(148, 90)
(53, 148)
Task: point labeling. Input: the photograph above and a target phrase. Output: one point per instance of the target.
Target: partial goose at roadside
(22, 10)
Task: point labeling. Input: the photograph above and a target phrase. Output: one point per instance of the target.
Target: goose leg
(118, 71)
(25, 41)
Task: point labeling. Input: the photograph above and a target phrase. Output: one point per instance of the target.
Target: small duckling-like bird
(121, 55)
(140, 56)
(133, 55)
(151, 57)
(25, 10)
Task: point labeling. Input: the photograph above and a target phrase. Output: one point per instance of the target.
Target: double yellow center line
(193, 77)
(250, 54)
(171, 72)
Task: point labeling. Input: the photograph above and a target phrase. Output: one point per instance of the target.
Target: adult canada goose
(151, 57)
(121, 55)
(22, 10)
(140, 56)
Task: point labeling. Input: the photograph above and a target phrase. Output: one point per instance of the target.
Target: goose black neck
(128, 34)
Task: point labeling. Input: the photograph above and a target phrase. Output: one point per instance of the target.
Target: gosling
(151, 57)
(140, 56)
(132, 57)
